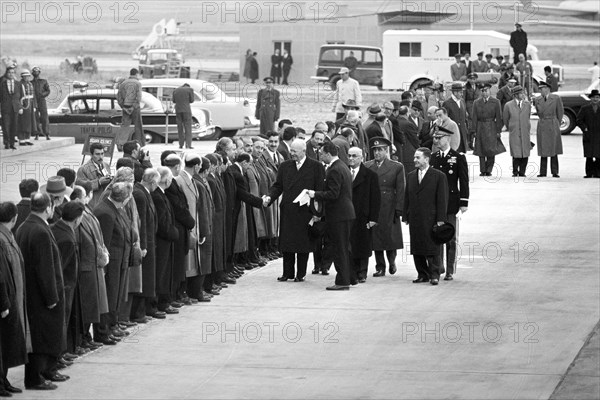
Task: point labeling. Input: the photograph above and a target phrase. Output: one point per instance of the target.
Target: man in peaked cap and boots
(42, 90)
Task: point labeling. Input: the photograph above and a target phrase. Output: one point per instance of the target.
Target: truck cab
(365, 64)
(162, 63)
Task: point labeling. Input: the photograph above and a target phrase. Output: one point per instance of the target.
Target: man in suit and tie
(11, 92)
(339, 212)
(387, 235)
(26, 188)
(366, 199)
(272, 160)
(425, 205)
(516, 118)
(293, 176)
(480, 65)
(457, 112)
(458, 70)
(342, 141)
(454, 165)
(183, 96)
(550, 110)
(313, 147)
(426, 132)
(288, 136)
(409, 140)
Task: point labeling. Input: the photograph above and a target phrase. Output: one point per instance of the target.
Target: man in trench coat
(268, 106)
(588, 120)
(516, 117)
(387, 234)
(45, 294)
(487, 124)
(425, 205)
(550, 111)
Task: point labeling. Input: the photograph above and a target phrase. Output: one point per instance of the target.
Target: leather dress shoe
(207, 295)
(81, 350)
(354, 282)
(324, 272)
(218, 287)
(283, 279)
(555, 176)
(299, 279)
(587, 176)
(249, 267)
(223, 285)
(315, 271)
(379, 273)
(229, 280)
(106, 341)
(176, 304)
(448, 277)
(337, 287)
(5, 393)
(171, 310)
(204, 300)
(57, 377)
(115, 338)
(142, 320)
(420, 280)
(187, 302)
(119, 333)
(157, 315)
(362, 280)
(66, 362)
(127, 324)
(541, 176)
(393, 269)
(214, 292)
(193, 301)
(11, 389)
(70, 356)
(47, 385)
(434, 282)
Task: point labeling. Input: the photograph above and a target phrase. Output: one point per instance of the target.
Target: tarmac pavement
(524, 301)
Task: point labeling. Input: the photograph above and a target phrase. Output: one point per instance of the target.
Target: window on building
(336, 42)
(282, 45)
(458, 48)
(410, 49)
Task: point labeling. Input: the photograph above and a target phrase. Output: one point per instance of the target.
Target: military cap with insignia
(480, 53)
(379, 142)
(441, 131)
(542, 84)
(472, 75)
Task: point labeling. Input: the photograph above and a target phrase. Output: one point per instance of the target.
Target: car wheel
(567, 124)
(217, 134)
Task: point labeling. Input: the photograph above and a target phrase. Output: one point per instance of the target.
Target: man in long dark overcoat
(425, 205)
(293, 176)
(487, 124)
(268, 105)
(588, 120)
(45, 294)
(366, 199)
(387, 234)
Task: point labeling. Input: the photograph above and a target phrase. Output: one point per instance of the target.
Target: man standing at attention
(339, 212)
(183, 96)
(454, 165)
(268, 106)
(518, 41)
(346, 89)
(42, 90)
(425, 205)
(487, 124)
(129, 98)
(588, 120)
(550, 111)
(516, 118)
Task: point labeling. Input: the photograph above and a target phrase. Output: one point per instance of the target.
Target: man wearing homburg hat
(588, 120)
(454, 165)
(550, 111)
(387, 234)
(487, 124)
(516, 117)
(457, 111)
(425, 205)
(268, 106)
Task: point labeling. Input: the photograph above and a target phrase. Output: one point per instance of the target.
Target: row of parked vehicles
(215, 114)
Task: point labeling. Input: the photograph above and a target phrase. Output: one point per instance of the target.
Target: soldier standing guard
(267, 107)
(487, 123)
(471, 94)
(27, 120)
(42, 90)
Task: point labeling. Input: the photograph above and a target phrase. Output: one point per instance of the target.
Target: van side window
(410, 49)
(458, 48)
(332, 55)
(372, 57)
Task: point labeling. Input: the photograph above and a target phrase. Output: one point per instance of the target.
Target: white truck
(411, 57)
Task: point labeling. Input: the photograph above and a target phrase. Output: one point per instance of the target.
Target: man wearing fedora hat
(457, 111)
(518, 41)
(387, 235)
(588, 120)
(516, 118)
(268, 106)
(454, 166)
(27, 119)
(425, 205)
(372, 111)
(550, 111)
(42, 90)
(346, 88)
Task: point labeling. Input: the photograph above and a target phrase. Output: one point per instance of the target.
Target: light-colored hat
(25, 72)
(344, 70)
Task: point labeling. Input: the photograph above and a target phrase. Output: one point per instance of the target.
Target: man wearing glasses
(346, 89)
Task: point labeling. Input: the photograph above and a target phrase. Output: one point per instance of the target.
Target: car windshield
(82, 105)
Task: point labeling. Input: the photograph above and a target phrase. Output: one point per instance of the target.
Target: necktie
(353, 173)
(10, 86)
(420, 176)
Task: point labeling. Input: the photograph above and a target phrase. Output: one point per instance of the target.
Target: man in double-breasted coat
(366, 199)
(268, 106)
(218, 221)
(457, 112)
(550, 111)
(588, 120)
(14, 341)
(516, 117)
(487, 123)
(45, 292)
(387, 234)
(293, 176)
(425, 205)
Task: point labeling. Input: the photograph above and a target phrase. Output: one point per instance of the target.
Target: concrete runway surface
(523, 302)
